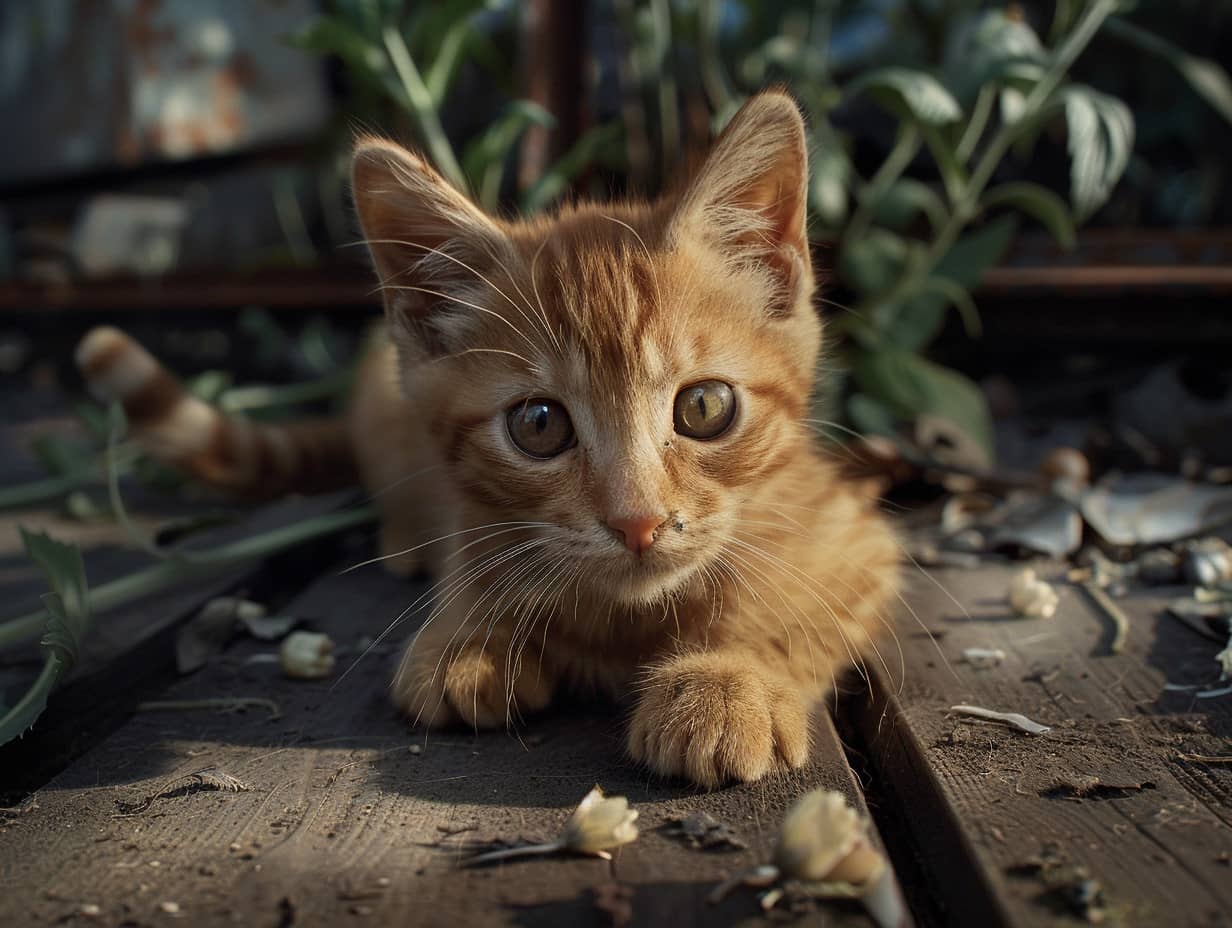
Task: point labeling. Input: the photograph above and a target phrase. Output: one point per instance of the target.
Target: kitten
(590, 427)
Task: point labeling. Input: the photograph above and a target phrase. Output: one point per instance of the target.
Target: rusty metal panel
(90, 84)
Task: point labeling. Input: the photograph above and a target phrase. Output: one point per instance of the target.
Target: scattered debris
(823, 852)
(208, 632)
(1120, 621)
(222, 704)
(1206, 758)
(1208, 562)
(1031, 597)
(450, 829)
(1159, 567)
(615, 900)
(307, 655)
(1152, 509)
(598, 824)
(983, 657)
(89, 910)
(269, 627)
(1209, 619)
(701, 830)
(1068, 464)
(1091, 787)
(1069, 888)
(1013, 719)
(1041, 524)
(210, 778)
(170, 908)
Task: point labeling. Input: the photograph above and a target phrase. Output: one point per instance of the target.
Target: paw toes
(717, 724)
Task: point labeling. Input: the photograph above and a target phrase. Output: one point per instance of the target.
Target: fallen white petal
(1013, 719)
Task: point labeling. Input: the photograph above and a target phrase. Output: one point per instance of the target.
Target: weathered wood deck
(350, 817)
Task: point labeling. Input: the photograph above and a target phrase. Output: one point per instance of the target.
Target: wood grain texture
(980, 806)
(345, 809)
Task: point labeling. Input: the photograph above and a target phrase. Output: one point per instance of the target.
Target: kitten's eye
(705, 409)
(541, 428)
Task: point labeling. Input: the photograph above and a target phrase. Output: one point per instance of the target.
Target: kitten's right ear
(423, 236)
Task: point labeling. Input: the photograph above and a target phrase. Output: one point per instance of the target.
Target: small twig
(1013, 719)
(1120, 620)
(208, 778)
(525, 850)
(223, 703)
(1206, 758)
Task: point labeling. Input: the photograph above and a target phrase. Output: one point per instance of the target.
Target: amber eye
(705, 409)
(541, 428)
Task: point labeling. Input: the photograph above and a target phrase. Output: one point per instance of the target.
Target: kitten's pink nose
(638, 531)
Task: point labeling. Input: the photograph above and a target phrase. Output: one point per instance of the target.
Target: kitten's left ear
(750, 198)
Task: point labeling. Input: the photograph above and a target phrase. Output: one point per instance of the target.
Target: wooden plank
(981, 807)
(345, 808)
(128, 654)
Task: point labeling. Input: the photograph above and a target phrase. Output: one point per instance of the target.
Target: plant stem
(709, 54)
(669, 116)
(968, 203)
(422, 111)
(906, 147)
(167, 574)
(977, 123)
(526, 850)
(39, 491)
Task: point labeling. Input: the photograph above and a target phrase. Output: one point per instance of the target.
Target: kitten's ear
(424, 236)
(750, 197)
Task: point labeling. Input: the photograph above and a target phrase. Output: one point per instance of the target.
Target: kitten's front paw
(471, 688)
(713, 719)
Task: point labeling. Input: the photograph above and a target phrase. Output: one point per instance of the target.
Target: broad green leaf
(1101, 137)
(59, 457)
(587, 150)
(906, 199)
(915, 320)
(68, 617)
(784, 56)
(990, 48)
(1208, 79)
(919, 92)
(62, 565)
(208, 386)
(873, 262)
(977, 251)
(1038, 202)
(828, 187)
(910, 386)
(956, 295)
(870, 416)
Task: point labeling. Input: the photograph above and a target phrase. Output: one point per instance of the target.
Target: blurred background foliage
(941, 132)
(938, 128)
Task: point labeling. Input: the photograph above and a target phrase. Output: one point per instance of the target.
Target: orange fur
(768, 575)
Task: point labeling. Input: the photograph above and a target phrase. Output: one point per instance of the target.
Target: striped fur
(768, 576)
(246, 459)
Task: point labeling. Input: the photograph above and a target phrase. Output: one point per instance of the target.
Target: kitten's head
(627, 374)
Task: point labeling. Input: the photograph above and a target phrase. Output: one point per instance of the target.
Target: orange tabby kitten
(590, 427)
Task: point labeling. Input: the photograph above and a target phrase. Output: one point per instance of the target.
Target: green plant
(964, 89)
(403, 59)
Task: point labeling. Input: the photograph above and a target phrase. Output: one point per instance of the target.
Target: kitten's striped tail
(245, 458)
